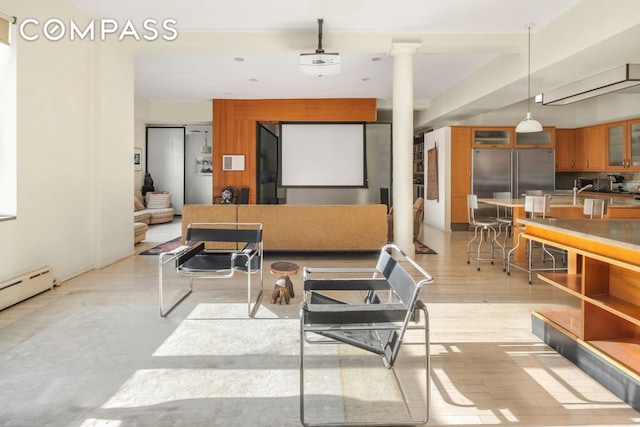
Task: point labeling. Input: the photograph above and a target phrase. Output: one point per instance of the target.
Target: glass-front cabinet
(492, 137)
(545, 138)
(615, 145)
(503, 137)
(623, 145)
(634, 144)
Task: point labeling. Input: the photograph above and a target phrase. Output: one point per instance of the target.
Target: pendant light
(529, 124)
(205, 149)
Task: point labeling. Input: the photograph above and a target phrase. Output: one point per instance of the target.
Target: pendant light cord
(529, 74)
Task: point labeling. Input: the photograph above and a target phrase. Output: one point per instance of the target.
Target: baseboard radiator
(25, 286)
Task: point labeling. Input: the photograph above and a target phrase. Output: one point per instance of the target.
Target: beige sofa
(153, 208)
(139, 232)
(303, 227)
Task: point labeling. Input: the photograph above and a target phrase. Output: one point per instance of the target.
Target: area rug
(236, 371)
(423, 249)
(163, 247)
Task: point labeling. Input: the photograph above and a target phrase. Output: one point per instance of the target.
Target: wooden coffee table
(283, 288)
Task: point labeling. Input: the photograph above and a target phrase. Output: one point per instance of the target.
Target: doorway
(165, 162)
(267, 166)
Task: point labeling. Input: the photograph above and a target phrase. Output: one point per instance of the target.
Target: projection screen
(322, 155)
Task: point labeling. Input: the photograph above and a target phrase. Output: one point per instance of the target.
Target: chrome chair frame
(196, 261)
(504, 215)
(593, 207)
(372, 325)
(486, 229)
(535, 207)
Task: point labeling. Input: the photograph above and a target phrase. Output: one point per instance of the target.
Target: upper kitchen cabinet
(565, 150)
(590, 153)
(492, 137)
(616, 156)
(544, 139)
(634, 143)
(623, 145)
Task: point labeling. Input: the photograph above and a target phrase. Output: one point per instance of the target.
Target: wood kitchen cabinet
(492, 137)
(544, 139)
(460, 175)
(633, 127)
(590, 152)
(623, 145)
(565, 150)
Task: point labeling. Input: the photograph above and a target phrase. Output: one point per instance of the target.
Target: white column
(402, 54)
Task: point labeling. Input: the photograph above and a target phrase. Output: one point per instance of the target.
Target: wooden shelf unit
(571, 283)
(608, 323)
(569, 320)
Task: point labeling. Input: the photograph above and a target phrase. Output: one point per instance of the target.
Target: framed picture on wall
(204, 165)
(137, 159)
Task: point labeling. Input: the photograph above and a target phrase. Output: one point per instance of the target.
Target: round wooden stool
(283, 288)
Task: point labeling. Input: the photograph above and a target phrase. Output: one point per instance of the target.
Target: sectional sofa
(153, 208)
(303, 227)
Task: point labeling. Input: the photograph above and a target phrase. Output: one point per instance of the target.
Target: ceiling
(248, 49)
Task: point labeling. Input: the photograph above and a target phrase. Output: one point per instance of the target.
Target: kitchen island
(600, 332)
(562, 206)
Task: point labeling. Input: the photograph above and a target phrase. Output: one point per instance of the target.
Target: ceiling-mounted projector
(319, 63)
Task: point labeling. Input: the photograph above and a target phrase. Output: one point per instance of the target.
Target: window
(8, 120)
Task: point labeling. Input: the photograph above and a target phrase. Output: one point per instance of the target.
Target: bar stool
(535, 207)
(485, 229)
(504, 216)
(594, 207)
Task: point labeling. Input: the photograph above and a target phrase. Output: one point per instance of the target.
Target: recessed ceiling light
(253, 80)
(238, 59)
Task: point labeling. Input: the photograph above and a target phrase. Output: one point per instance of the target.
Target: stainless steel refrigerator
(516, 171)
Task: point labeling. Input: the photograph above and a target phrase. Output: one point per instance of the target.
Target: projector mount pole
(320, 49)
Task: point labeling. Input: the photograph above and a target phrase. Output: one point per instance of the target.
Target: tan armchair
(418, 217)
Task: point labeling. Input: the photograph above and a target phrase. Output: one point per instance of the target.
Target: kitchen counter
(610, 194)
(562, 207)
(619, 233)
(613, 200)
(566, 201)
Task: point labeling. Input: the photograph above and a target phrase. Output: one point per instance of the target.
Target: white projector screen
(322, 155)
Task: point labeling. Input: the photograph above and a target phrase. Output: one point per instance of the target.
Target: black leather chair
(215, 251)
(376, 325)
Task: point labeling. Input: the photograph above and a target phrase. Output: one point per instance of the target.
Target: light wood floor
(487, 366)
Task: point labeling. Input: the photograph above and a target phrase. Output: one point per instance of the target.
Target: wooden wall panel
(235, 120)
(460, 173)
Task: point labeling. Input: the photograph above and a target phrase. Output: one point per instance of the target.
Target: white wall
(75, 140)
(436, 212)
(150, 112)
(174, 112)
(8, 126)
